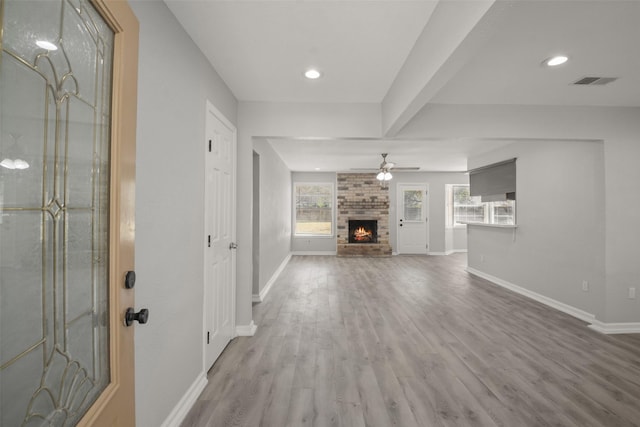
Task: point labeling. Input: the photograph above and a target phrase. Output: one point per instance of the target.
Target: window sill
(482, 224)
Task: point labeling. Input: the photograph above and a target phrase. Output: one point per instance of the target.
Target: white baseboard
(274, 277)
(615, 328)
(565, 308)
(246, 330)
(458, 251)
(438, 253)
(185, 404)
(596, 325)
(327, 253)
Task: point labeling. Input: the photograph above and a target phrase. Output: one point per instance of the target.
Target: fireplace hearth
(363, 231)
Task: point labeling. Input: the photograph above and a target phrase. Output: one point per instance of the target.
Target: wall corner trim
(246, 330)
(263, 293)
(565, 308)
(615, 328)
(187, 401)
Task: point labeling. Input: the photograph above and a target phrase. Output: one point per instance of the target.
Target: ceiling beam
(450, 39)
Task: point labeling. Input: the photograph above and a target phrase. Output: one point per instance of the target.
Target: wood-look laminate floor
(415, 341)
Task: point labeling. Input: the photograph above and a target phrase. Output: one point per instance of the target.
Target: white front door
(220, 254)
(412, 218)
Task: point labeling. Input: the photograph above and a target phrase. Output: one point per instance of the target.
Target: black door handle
(130, 316)
(400, 225)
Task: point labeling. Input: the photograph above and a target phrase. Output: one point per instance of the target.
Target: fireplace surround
(361, 198)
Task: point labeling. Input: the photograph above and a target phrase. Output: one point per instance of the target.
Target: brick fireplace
(364, 202)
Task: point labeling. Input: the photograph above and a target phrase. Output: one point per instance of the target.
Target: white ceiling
(437, 52)
(262, 48)
(429, 155)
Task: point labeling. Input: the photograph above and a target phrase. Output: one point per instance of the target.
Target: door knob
(233, 245)
(130, 316)
(400, 225)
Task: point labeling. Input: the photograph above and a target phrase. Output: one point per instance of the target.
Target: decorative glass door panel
(55, 100)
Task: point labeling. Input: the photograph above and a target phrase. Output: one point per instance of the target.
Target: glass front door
(55, 103)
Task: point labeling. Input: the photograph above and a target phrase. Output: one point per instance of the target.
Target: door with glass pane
(411, 217)
(67, 158)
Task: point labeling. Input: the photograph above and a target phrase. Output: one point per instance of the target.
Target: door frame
(426, 205)
(209, 106)
(116, 404)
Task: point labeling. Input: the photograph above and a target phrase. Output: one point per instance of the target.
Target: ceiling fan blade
(407, 168)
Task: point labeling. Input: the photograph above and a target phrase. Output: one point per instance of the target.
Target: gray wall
(275, 211)
(174, 83)
(441, 238)
(560, 238)
(315, 244)
(619, 128)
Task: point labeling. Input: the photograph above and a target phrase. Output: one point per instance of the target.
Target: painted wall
(619, 128)
(174, 83)
(275, 211)
(260, 119)
(315, 244)
(438, 231)
(560, 237)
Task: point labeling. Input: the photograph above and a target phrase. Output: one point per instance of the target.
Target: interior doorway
(220, 232)
(256, 227)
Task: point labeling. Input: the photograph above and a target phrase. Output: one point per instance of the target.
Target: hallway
(415, 341)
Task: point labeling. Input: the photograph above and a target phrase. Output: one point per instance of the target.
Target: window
(413, 205)
(466, 208)
(313, 209)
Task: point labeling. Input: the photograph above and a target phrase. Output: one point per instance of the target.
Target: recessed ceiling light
(312, 74)
(556, 60)
(317, 169)
(46, 45)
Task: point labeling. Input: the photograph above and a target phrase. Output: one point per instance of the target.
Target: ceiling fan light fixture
(384, 174)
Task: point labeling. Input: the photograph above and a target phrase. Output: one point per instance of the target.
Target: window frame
(489, 211)
(294, 202)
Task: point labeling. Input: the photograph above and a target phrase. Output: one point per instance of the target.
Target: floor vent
(595, 81)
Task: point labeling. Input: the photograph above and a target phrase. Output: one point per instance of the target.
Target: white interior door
(412, 218)
(220, 259)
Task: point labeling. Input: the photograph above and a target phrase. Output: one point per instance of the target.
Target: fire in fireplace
(363, 231)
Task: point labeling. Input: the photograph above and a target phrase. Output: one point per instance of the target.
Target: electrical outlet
(585, 286)
(632, 293)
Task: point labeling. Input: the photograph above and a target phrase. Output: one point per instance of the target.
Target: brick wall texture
(360, 196)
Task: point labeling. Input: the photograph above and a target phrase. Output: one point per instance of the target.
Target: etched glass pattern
(55, 102)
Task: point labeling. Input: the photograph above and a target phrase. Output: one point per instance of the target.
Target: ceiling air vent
(595, 80)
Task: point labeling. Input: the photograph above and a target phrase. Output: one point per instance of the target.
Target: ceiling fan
(387, 166)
